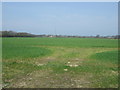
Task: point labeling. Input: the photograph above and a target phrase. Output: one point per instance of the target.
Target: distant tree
(97, 36)
(15, 34)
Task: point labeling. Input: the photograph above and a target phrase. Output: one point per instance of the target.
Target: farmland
(60, 62)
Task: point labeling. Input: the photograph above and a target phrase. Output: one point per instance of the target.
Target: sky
(0, 16)
(61, 18)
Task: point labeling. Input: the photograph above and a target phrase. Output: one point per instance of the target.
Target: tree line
(15, 34)
(24, 34)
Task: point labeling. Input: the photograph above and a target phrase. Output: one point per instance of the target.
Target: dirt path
(47, 78)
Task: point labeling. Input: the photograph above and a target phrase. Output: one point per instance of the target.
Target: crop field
(59, 63)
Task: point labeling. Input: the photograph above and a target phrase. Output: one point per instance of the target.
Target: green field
(60, 63)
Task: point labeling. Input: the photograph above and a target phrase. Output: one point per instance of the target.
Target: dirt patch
(47, 79)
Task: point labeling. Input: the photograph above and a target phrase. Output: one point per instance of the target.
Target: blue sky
(62, 18)
(0, 16)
